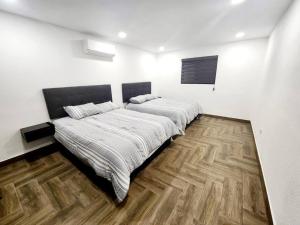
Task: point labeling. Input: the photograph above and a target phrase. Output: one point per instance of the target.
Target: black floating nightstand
(38, 131)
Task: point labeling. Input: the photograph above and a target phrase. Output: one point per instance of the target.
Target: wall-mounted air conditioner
(99, 48)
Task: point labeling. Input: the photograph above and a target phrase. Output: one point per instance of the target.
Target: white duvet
(115, 143)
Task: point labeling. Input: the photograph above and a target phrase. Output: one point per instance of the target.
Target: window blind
(200, 70)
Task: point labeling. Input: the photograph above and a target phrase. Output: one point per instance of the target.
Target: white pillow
(80, 111)
(151, 97)
(142, 98)
(138, 99)
(107, 106)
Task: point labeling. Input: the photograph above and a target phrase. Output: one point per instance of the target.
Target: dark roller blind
(200, 70)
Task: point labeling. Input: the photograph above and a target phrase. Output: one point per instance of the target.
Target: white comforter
(115, 143)
(181, 113)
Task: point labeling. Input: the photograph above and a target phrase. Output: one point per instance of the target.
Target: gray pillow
(80, 111)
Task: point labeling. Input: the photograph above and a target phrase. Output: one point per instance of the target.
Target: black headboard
(130, 90)
(56, 98)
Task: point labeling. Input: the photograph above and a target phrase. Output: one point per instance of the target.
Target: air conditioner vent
(99, 48)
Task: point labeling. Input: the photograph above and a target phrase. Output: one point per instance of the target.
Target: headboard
(130, 90)
(56, 98)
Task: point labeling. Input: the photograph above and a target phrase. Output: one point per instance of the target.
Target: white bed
(181, 113)
(115, 143)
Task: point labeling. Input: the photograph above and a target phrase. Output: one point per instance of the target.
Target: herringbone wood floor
(209, 176)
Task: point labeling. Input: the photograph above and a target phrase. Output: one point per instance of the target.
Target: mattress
(181, 113)
(115, 143)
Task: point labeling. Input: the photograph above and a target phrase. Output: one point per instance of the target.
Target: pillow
(80, 111)
(142, 98)
(138, 99)
(107, 106)
(151, 97)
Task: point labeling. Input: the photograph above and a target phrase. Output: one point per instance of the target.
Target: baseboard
(262, 180)
(227, 118)
(46, 150)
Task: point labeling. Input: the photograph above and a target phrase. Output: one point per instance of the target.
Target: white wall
(240, 66)
(277, 115)
(36, 55)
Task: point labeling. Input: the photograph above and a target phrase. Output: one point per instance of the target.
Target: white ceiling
(175, 24)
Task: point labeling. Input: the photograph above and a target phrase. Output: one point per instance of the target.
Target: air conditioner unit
(99, 48)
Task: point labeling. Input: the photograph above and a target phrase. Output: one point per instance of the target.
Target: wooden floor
(209, 176)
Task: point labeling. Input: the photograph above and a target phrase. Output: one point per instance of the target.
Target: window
(201, 70)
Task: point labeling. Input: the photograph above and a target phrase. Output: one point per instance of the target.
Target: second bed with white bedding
(181, 113)
(115, 143)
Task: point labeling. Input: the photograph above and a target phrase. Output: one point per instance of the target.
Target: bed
(113, 143)
(181, 113)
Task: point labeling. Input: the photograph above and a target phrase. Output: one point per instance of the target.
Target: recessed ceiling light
(122, 34)
(236, 2)
(240, 35)
(161, 48)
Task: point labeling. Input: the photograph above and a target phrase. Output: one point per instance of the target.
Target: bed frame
(130, 90)
(57, 98)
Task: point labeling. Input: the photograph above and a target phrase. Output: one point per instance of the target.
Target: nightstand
(38, 131)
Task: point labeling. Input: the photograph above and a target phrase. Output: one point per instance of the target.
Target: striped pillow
(80, 111)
